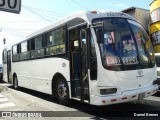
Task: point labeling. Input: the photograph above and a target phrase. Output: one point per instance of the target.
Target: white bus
(157, 57)
(97, 57)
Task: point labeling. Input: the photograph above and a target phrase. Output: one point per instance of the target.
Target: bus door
(79, 63)
(9, 66)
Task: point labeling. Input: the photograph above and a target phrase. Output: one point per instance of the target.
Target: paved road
(28, 100)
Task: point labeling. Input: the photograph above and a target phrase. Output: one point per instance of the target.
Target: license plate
(141, 96)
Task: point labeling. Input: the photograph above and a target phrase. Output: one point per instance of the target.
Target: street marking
(3, 99)
(7, 105)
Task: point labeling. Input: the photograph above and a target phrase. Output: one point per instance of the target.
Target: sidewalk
(3, 86)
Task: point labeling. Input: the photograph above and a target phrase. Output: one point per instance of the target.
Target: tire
(62, 91)
(15, 83)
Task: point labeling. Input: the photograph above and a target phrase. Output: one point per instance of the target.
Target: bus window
(25, 54)
(56, 41)
(38, 42)
(32, 44)
(36, 47)
(24, 47)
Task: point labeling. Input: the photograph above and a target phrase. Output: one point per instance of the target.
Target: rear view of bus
(126, 65)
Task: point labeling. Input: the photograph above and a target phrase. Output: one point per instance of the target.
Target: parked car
(1, 72)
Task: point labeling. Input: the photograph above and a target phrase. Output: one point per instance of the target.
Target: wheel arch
(55, 77)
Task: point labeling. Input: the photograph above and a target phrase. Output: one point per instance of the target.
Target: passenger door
(79, 63)
(9, 75)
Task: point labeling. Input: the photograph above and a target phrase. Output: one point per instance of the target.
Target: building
(140, 14)
(155, 24)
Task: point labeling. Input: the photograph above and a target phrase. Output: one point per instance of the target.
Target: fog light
(108, 91)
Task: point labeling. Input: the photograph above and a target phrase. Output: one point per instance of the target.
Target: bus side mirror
(100, 37)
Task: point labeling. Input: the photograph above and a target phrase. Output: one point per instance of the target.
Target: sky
(37, 14)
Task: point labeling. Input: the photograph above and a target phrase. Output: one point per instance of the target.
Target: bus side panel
(38, 74)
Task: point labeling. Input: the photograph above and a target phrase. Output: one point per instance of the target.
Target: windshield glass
(124, 45)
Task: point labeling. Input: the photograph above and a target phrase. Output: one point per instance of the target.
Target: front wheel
(62, 91)
(15, 82)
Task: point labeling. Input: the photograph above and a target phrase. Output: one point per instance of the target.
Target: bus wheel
(15, 82)
(62, 91)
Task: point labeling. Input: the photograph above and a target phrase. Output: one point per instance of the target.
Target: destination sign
(112, 61)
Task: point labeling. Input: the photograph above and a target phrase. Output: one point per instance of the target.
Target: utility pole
(4, 39)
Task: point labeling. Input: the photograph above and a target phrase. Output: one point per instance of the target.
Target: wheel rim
(62, 90)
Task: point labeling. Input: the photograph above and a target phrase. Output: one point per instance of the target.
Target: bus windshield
(125, 45)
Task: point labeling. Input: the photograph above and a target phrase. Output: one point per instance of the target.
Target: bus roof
(87, 16)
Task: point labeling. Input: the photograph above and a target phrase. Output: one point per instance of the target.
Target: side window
(16, 51)
(36, 47)
(25, 53)
(24, 47)
(38, 42)
(32, 44)
(58, 36)
(49, 38)
(56, 41)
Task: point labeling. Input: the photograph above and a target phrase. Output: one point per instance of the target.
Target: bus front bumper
(126, 96)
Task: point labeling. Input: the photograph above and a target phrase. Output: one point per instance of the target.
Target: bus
(155, 32)
(157, 57)
(96, 57)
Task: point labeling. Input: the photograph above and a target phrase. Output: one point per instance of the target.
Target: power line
(45, 13)
(14, 32)
(80, 5)
(33, 12)
(42, 10)
(24, 29)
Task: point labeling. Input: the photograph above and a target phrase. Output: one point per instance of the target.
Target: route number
(13, 6)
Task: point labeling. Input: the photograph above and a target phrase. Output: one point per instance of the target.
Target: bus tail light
(108, 91)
